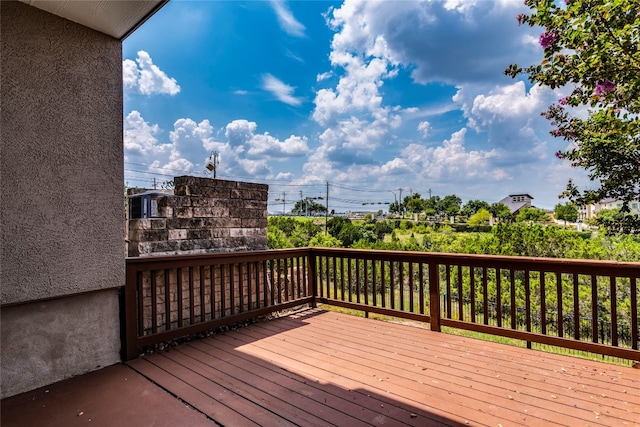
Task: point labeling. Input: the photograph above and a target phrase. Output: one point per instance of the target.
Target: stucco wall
(50, 340)
(61, 175)
(62, 159)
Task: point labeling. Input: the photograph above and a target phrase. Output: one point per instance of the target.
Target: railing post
(312, 277)
(434, 296)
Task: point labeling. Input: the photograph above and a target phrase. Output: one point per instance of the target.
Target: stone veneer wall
(204, 215)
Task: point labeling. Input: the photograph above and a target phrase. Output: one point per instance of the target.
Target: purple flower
(521, 17)
(547, 40)
(563, 101)
(605, 87)
(559, 155)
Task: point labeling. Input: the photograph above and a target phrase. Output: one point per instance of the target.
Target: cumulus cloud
(424, 128)
(140, 137)
(144, 77)
(282, 91)
(287, 21)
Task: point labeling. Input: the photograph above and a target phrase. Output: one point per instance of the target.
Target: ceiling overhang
(117, 18)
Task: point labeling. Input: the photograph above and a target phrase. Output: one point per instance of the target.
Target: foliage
(308, 206)
(501, 212)
(325, 241)
(593, 49)
(482, 216)
(618, 221)
(532, 215)
(566, 212)
(473, 206)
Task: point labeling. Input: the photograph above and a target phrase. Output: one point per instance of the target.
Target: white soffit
(117, 18)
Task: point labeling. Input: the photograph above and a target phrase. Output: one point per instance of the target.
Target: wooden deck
(319, 368)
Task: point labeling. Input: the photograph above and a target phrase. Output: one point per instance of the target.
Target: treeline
(520, 238)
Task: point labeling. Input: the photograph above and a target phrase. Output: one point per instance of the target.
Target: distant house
(591, 211)
(515, 202)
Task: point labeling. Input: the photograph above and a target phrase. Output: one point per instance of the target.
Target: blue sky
(375, 98)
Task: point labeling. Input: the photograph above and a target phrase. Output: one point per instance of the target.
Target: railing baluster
(498, 297)
(448, 277)
(634, 313)
(472, 290)
(342, 276)
(212, 292)
(179, 295)
(223, 294)
(272, 264)
(249, 286)
(576, 307)
(240, 288)
(434, 299)
(527, 302)
(543, 303)
(594, 308)
(140, 294)
(349, 278)
(192, 314)
(560, 304)
(421, 278)
(512, 297)
(485, 296)
(265, 283)
(203, 308)
(335, 278)
(392, 289)
(460, 294)
(401, 283)
(374, 286)
(358, 287)
(411, 287)
(382, 284)
(614, 311)
(232, 289)
(154, 303)
(167, 300)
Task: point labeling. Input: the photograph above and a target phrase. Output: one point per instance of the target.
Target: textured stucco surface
(48, 341)
(61, 169)
(61, 175)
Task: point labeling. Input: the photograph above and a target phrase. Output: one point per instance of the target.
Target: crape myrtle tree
(592, 48)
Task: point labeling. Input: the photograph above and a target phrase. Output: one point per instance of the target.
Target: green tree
(473, 206)
(414, 203)
(449, 205)
(501, 211)
(532, 215)
(335, 225)
(592, 48)
(308, 206)
(566, 212)
(481, 217)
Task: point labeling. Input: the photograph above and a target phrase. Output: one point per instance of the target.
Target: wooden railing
(171, 297)
(577, 304)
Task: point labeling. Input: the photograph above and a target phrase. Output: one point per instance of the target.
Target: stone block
(255, 223)
(158, 223)
(180, 234)
(199, 234)
(140, 224)
(183, 212)
(220, 232)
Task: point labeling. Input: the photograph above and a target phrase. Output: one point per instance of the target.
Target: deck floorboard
(320, 368)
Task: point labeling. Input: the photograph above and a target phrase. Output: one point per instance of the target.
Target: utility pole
(302, 202)
(284, 203)
(400, 202)
(326, 210)
(154, 183)
(429, 193)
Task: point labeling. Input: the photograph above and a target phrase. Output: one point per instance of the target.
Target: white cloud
(324, 76)
(287, 21)
(146, 78)
(140, 137)
(424, 128)
(282, 91)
